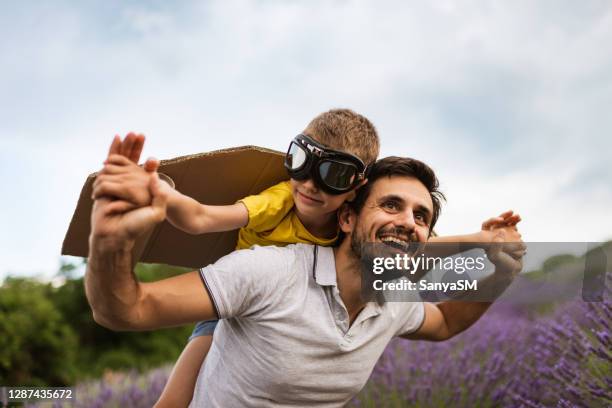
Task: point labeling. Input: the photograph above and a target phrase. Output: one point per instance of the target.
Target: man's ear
(346, 219)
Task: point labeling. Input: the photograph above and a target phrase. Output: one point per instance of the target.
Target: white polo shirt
(285, 339)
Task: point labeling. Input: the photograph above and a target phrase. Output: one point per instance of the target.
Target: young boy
(326, 163)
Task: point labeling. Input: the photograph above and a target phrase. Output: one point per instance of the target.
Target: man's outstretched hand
(128, 199)
(506, 252)
(121, 178)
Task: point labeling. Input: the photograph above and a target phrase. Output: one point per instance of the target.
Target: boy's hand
(130, 147)
(124, 180)
(506, 251)
(508, 218)
(115, 225)
(120, 171)
(506, 221)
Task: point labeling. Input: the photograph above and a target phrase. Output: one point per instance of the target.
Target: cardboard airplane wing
(216, 178)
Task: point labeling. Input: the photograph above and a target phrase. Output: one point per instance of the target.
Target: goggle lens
(337, 174)
(296, 157)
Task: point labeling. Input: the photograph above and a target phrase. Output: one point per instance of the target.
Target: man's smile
(399, 239)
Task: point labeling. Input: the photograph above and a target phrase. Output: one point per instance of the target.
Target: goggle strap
(314, 149)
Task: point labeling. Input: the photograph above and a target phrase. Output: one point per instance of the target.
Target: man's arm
(120, 302)
(117, 299)
(447, 319)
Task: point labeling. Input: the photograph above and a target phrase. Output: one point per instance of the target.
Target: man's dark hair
(401, 166)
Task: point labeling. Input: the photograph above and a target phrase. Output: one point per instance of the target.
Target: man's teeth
(394, 239)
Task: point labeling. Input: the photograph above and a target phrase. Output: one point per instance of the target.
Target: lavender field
(509, 358)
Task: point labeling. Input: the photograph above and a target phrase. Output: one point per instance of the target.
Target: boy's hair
(345, 130)
(402, 166)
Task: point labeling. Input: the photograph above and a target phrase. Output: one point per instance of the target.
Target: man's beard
(357, 241)
(366, 252)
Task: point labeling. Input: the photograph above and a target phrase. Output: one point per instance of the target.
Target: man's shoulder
(270, 255)
(404, 316)
(287, 250)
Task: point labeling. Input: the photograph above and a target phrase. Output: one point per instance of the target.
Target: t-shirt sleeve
(268, 208)
(414, 315)
(247, 281)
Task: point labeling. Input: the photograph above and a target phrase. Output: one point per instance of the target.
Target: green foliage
(37, 345)
(50, 338)
(556, 261)
(154, 272)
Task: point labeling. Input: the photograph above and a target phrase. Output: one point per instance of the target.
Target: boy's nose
(310, 185)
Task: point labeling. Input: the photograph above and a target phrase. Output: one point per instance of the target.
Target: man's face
(397, 212)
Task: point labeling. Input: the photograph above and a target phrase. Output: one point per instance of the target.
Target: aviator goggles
(333, 171)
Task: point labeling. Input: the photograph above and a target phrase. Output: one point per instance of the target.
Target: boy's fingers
(119, 206)
(506, 214)
(104, 189)
(118, 159)
(512, 221)
(109, 189)
(137, 148)
(105, 178)
(151, 165)
(112, 169)
(491, 222)
(115, 147)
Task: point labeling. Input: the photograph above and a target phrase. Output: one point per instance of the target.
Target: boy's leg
(181, 382)
(179, 389)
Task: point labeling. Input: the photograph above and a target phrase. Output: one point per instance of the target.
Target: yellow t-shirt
(272, 220)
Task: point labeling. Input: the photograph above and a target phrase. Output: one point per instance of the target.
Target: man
(296, 331)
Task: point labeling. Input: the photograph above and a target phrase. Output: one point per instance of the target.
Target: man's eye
(391, 205)
(421, 217)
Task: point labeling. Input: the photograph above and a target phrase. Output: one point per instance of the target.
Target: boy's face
(312, 201)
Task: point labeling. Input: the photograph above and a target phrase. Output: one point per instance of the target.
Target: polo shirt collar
(324, 267)
(324, 270)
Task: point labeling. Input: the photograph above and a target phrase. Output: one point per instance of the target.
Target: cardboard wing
(218, 177)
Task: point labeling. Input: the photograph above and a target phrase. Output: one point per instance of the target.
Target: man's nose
(406, 220)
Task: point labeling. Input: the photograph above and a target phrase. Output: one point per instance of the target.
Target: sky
(509, 102)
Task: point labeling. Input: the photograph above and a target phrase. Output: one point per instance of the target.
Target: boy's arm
(453, 244)
(123, 179)
(193, 217)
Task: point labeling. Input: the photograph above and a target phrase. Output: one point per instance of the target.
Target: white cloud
(512, 97)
